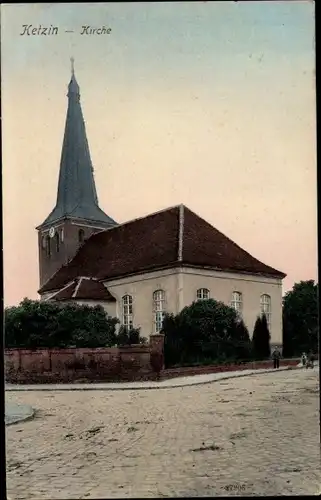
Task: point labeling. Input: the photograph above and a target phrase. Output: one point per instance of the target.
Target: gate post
(156, 346)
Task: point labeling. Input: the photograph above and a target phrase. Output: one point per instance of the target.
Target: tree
(261, 339)
(173, 339)
(207, 330)
(242, 342)
(35, 324)
(300, 319)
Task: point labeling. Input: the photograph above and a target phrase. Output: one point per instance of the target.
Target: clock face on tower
(51, 232)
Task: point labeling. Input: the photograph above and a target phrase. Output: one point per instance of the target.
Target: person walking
(304, 359)
(276, 358)
(310, 360)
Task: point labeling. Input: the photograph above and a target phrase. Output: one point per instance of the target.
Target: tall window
(202, 294)
(237, 302)
(128, 311)
(48, 246)
(159, 307)
(266, 308)
(81, 235)
(57, 242)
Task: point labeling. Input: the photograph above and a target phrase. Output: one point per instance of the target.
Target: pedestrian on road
(304, 359)
(276, 358)
(310, 360)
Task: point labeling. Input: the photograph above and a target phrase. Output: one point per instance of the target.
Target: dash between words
(30, 29)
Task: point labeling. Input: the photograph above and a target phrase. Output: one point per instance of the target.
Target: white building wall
(181, 285)
(141, 287)
(110, 307)
(221, 286)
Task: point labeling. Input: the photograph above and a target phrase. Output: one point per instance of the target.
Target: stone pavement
(163, 384)
(243, 436)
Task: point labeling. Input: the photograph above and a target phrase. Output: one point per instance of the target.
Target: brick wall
(106, 364)
(186, 371)
(70, 365)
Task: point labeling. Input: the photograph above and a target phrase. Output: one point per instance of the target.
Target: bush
(206, 330)
(35, 324)
(129, 336)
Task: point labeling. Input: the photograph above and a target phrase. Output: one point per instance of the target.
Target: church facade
(144, 268)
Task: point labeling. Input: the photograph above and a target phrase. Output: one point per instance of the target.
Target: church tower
(76, 215)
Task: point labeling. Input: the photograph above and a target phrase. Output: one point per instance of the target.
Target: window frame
(159, 309)
(200, 294)
(57, 242)
(127, 311)
(237, 302)
(48, 246)
(267, 311)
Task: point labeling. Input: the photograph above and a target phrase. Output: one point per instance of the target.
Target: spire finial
(72, 60)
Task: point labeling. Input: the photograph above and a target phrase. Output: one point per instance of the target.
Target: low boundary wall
(126, 363)
(187, 371)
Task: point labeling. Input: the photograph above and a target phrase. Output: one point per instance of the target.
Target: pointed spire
(73, 87)
(77, 196)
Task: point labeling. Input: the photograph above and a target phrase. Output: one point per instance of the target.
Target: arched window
(57, 242)
(159, 308)
(266, 307)
(202, 294)
(127, 311)
(48, 245)
(81, 235)
(237, 302)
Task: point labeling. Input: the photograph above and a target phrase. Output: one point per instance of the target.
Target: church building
(143, 268)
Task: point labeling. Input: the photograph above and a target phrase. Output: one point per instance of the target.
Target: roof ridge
(122, 224)
(145, 216)
(180, 232)
(60, 290)
(77, 288)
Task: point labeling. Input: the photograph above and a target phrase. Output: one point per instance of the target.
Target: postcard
(160, 249)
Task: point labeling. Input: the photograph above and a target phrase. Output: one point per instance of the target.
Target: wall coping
(76, 349)
(57, 349)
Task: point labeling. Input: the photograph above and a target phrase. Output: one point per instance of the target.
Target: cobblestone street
(256, 435)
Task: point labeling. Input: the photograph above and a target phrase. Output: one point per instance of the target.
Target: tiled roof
(84, 288)
(203, 245)
(175, 236)
(66, 292)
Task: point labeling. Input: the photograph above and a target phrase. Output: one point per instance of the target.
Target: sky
(210, 104)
